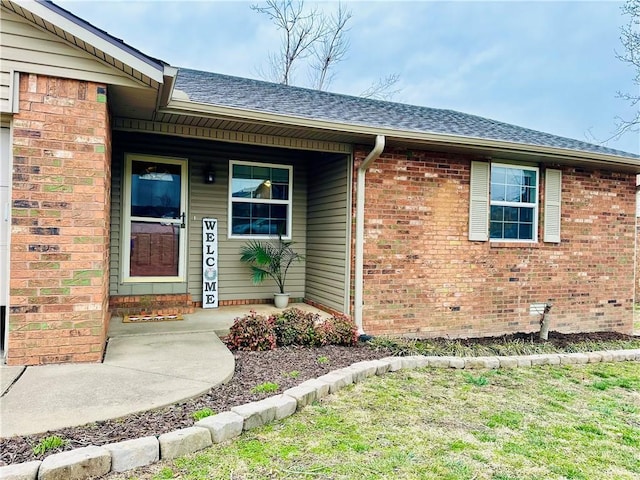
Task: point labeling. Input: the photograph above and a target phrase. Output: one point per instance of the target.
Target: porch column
(59, 256)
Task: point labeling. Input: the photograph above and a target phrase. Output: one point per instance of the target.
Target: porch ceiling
(263, 128)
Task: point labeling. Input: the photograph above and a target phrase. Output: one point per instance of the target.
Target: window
(504, 203)
(514, 203)
(259, 199)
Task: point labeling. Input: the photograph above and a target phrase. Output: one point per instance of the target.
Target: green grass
(47, 444)
(266, 387)
(202, 413)
(442, 347)
(526, 424)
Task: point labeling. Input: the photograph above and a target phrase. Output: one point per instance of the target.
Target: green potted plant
(271, 259)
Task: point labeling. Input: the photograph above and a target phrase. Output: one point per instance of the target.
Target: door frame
(6, 164)
(127, 219)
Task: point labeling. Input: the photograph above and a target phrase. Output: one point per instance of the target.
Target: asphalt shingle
(249, 94)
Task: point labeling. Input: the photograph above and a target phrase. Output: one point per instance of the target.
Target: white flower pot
(281, 300)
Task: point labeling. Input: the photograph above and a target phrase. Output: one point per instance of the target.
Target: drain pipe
(359, 267)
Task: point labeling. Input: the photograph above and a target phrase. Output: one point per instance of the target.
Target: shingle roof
(244, 93)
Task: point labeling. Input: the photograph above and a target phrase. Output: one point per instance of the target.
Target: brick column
(59, 236)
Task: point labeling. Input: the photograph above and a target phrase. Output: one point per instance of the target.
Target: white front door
(155, 201)
(5, 206)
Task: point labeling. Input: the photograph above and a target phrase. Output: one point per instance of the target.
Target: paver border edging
(130, 454)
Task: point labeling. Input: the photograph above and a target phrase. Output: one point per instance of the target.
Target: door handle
(183, 224)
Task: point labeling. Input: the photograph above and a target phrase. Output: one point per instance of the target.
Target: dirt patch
(286, 367)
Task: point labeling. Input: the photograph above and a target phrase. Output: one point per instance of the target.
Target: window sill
(515, 244)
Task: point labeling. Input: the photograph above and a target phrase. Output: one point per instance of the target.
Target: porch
(216, 320)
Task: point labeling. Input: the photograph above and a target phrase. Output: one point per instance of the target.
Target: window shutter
(479, 202)
(552, 200)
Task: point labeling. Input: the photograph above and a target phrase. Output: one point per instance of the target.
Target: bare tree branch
(331, 48)
(630, 40)
(383, 89)
(300, 31)
(311, 33)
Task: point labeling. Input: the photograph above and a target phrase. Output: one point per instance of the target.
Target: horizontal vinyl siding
(5, 90)
(211, 201)
(28, 49)
(234, 277)
(327, 232)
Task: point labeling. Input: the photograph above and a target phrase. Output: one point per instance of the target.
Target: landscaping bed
(261, 374)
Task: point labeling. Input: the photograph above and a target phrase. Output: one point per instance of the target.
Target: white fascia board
(187, 107)
(80, 32)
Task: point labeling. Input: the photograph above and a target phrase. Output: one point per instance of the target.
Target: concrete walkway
(146, 366)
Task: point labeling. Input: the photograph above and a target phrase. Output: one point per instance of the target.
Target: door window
(155, 199)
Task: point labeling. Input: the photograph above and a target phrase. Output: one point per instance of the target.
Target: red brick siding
(60, 216)
(423, 276)
(161, 303)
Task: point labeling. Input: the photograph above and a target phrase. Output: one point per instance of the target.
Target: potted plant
(271, 259)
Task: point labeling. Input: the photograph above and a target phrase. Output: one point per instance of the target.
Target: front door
(155, 194)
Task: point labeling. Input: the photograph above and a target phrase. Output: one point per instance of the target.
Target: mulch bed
(252, 369)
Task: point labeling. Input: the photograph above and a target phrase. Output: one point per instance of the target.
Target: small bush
(266, 387)
(202, 413)
(252, 332)
(337, 330)
(295, 327)
(47, 444)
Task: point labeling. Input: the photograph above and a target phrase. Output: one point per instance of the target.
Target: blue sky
(545, 65)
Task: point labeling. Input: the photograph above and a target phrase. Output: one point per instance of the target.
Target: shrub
(48, 443)
(252, 332)
(295, 327)
(337, 330)
(202, 413)
(266, 387)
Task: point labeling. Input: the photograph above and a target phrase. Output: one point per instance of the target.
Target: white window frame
(535, 206)
(232, 199)
(127, 218)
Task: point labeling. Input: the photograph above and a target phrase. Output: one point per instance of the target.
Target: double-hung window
(505, 203)
(514, 203)
(259, 199)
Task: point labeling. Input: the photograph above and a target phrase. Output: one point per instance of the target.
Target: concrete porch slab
(218, 320)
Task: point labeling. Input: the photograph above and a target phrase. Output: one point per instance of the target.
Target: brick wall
(423, 276)
(60, 218)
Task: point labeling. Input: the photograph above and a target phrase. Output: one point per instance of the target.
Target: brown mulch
(287, 366)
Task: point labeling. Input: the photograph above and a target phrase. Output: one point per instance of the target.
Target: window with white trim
(514, 203)
(504, 203)
(260, 199)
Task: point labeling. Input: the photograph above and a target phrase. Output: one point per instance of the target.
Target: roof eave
(187, 107)
(87, 33)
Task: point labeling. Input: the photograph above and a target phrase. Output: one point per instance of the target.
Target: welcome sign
(209, 263)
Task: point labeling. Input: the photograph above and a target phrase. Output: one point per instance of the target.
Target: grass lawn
(566, 422)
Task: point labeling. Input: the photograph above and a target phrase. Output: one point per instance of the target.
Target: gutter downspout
(359, 267)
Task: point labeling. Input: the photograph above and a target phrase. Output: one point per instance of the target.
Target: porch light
(209, 176)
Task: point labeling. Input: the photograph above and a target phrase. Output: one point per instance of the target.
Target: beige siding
(25, 48)
(327, 232)
(210, 201)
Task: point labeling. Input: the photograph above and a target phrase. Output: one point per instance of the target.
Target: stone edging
(93, 461)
